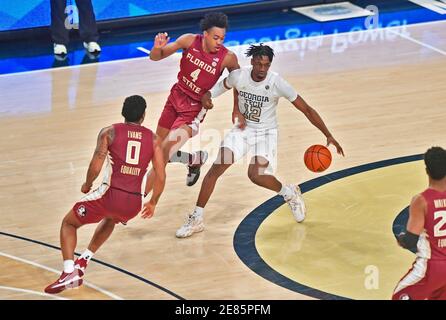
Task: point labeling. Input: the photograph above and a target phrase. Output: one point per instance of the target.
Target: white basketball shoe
(297, 204)
(193, 225)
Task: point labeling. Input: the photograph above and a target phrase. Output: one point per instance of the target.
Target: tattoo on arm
(105, 138)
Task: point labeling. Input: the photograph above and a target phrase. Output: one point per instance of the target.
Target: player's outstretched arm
(105, 138)
(160, 179)
(162, 49)
(317, 121)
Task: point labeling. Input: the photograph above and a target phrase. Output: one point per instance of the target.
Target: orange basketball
(317, 158)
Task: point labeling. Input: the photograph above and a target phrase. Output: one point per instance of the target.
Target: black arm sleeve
(408, 240)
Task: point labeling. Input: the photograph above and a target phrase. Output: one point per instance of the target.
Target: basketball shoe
(81, 264)
(194, 169)
(193, 225)
(65, 281)
(297, 204)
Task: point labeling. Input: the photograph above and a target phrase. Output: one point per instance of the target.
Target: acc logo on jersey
(267, 87)
(82, 211)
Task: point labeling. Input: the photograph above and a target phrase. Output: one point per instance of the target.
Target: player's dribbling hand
(331, 140)
(161, 39)
(148, 210)
(239, 120)
(206, 101)
(85, 188)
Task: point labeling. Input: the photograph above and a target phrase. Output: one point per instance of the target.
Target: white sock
(286, 193)
(87, 255)
(68, 266)
(199, 211)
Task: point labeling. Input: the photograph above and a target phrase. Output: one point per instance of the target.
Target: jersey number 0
(133, 149)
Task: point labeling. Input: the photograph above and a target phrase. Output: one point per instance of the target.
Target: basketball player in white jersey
(255, 132)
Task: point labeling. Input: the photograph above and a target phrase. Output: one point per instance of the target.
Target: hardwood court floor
(381, 95)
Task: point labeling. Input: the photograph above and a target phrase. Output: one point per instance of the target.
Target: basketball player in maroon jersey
(203, 61)
(426, 234)
(129, 148)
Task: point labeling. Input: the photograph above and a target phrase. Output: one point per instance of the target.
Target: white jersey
(258, 100)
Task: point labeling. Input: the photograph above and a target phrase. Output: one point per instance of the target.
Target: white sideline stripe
(232, 47)
(144, 50)
(419, 42)
(33, 292)
(88, 284)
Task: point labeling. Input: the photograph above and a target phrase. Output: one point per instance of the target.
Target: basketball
(317, 158)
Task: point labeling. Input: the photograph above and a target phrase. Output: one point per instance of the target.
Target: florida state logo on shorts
(81, 211)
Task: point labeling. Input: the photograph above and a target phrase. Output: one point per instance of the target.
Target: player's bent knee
(71, 220)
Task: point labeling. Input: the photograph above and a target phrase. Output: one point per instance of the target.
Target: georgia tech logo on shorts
(82, 211)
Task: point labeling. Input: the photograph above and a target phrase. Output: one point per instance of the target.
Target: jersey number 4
(194, 75)
(440, 224)
(133, 149)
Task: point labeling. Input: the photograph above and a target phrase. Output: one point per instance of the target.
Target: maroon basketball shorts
(425, 280)
(106, 202)
(181, 110)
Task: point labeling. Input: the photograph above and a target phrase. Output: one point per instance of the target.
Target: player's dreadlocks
(260, 50)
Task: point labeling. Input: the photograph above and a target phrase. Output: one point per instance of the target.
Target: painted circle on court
(346, 248)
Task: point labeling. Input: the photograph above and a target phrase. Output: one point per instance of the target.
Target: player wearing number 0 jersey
(129, 148)
(259, 91)
(204, 58)
(426, 235)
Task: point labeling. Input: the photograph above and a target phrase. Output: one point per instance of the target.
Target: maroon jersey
(432, 244)
(199, 71)
(129, 156)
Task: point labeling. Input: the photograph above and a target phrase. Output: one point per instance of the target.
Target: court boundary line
(423, 44)
(245, 234)
(33, 292)
(234, 48)
(41, 266)
(146, 281)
